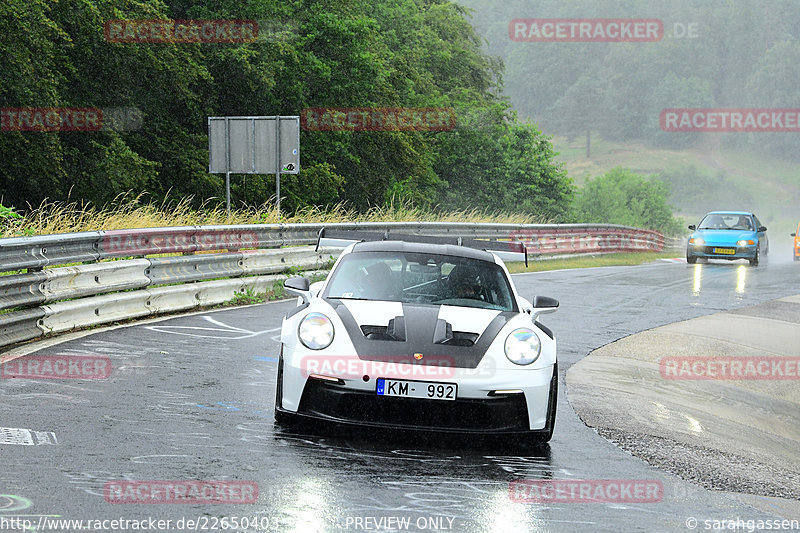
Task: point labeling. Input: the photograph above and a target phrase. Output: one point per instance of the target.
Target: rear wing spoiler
(505, 250)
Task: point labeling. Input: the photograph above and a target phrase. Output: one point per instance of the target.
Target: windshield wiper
(347, 298)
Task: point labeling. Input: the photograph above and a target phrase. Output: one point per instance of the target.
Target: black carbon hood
(423, 333)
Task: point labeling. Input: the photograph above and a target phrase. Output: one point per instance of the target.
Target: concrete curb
(740, 436)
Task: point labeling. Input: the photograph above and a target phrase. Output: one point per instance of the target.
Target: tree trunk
(588, 143)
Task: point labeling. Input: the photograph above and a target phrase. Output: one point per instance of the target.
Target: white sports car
(420, 336)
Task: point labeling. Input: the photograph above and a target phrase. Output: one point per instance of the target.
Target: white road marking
(234, 333)
(26, 437)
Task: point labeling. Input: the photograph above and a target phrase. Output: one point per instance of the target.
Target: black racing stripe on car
(547, 331)
(296, 310)
(420, 324)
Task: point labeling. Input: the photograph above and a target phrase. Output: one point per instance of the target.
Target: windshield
(727, 221)
(421, 278)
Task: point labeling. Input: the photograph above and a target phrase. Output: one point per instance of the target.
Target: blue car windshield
(727, 221)
(421, 278)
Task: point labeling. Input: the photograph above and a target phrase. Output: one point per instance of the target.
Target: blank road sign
(218, 163)
(290, 145)
(251, 145)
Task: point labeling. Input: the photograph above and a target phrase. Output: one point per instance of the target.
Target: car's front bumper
(477, 409)
(711, 251)
(492, 415)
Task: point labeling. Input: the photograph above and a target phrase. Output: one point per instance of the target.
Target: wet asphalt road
(191, 398)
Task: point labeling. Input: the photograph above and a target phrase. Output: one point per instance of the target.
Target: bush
(622, 197)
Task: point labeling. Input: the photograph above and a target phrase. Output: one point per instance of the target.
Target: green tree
(498, 164)
(582, 109)
(775, 83)
(31, 63)
(622, 197)
(676, 92)
(328, 53)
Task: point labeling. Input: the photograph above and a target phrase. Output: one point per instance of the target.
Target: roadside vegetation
(621, 197)
(699, 180)
(128, 212)
(276, 291)
(589, 261)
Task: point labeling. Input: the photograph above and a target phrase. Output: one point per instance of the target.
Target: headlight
(697, 242)
(315, 331)
(523, 346)
(745, 243)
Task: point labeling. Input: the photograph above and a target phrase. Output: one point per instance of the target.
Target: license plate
(726, 251)
(428, 390)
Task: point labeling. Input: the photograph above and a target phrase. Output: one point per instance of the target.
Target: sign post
(254, 145)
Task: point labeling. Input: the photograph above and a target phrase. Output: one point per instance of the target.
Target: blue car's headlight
(697, 241)
(745, 242)
(315, 331)
(523, 346)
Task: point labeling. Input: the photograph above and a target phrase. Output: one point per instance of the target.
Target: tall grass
(129, 211)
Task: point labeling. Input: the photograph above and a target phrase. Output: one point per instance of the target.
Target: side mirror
(692, 227)
(762, 228)
(793, 234)
(299, 287)
(544, 304)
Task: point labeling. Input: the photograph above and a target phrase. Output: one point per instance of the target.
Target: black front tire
(691, 259)
(754, 260)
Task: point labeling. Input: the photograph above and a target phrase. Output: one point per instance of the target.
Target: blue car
(728, 235)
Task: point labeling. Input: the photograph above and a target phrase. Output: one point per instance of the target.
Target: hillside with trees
(338, 53)
(713, 54)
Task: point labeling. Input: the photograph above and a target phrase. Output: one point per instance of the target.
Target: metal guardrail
(247, 257)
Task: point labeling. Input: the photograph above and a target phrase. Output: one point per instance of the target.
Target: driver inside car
(464, 283)
(380, 282)
(744, 223)
(716, 222)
